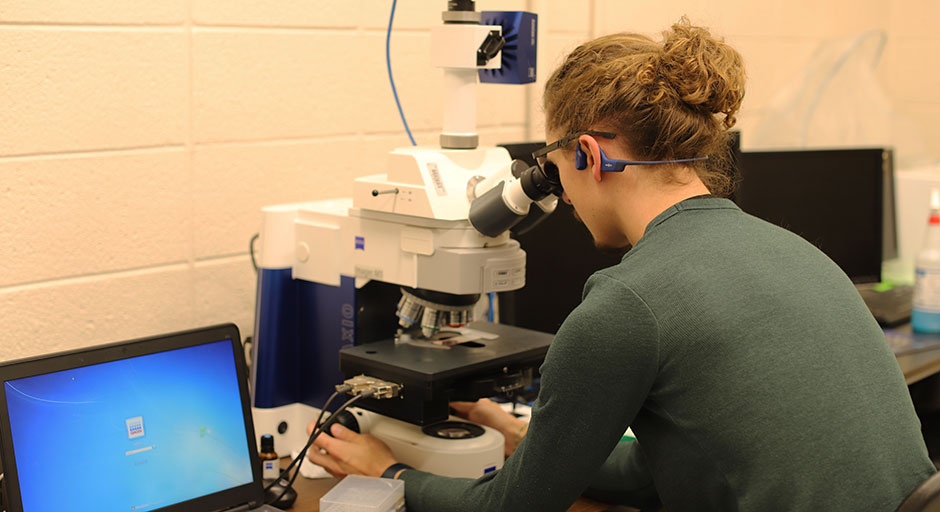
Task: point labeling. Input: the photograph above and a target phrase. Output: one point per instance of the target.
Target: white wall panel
(89, 214)
(279, 13)
(98, 309)
(233, 182)
(68, 89)
(224, 291)
(94, 11)
(266, 84)
(419, 84)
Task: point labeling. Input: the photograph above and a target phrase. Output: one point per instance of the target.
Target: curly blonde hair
(667, 100)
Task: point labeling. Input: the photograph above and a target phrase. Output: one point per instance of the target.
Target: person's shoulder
(613, 325)
(611, 303)
(628, 277)
(619, 280)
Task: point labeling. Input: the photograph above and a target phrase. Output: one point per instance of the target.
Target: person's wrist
(520, 433)
(512, 428)
(513, 436)
(395, 470)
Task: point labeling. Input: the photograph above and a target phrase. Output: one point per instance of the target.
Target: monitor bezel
(250, 493)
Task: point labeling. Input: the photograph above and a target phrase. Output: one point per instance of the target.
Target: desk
(309, 493)
(919, 365)
(918, 355)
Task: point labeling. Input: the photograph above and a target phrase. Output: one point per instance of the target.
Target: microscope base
(461, 458)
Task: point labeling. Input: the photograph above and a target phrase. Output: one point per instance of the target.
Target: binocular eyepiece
(507, 205)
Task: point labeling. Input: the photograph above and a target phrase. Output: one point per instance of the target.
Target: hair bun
(705, 72)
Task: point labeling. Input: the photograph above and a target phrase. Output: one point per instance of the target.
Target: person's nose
(564, 197)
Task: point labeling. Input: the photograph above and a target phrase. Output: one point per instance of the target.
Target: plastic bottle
(270, 469)
(925, 311)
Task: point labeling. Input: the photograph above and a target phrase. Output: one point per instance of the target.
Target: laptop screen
(134, 434)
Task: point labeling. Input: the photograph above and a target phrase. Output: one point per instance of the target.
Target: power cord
(388, 64)
(318, 429)
(313, 435)
(300, 456)
(339, 389)
(251, 250)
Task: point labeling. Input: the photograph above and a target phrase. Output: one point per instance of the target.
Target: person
(747, 365)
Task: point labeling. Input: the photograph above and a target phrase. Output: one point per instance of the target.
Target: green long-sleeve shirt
(748, 367)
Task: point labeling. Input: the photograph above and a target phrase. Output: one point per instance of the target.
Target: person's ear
(591, 152)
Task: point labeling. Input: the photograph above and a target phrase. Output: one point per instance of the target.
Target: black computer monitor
(840, 200)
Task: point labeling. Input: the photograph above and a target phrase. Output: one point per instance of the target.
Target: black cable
(251, 250)
(313, 435)
(294, 461)
(334, 417)
(325, 407)
(319, 429)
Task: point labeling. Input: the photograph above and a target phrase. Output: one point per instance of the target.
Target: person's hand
(486, 412)
(349, 453)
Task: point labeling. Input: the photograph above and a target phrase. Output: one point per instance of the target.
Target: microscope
(380, 289)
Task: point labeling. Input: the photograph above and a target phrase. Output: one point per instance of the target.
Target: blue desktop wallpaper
(130, 435)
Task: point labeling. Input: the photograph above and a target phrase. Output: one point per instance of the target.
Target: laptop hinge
(241, 508)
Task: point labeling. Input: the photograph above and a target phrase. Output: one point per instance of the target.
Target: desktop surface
(309, 492)
(918, 354)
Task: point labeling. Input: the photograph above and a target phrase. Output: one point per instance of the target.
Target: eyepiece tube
(490, 215)
(507, 203)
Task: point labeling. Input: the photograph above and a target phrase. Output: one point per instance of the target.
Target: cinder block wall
(138, 140)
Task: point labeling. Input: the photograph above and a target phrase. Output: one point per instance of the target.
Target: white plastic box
(365, 494)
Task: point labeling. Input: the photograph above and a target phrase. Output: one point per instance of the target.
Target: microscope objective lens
(458, 318)
(431, 322)
(408, 312)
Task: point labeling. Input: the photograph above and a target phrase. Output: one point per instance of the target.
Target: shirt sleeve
(596, 375)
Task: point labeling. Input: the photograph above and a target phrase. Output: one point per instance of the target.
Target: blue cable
(388, 63)
(491, 314)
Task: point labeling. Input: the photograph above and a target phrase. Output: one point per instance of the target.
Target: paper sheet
(309, 469)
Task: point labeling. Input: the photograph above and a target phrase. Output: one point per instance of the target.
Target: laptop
(155, 424)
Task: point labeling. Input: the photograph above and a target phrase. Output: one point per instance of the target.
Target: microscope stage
(432, 376)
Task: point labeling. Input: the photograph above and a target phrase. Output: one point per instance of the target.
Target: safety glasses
(550, 170)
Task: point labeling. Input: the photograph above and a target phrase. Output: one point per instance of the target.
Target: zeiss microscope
(382, 286)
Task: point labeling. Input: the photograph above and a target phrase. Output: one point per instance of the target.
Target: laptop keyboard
(890, 307)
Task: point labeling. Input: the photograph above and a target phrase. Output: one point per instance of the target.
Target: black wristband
(394, 469)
